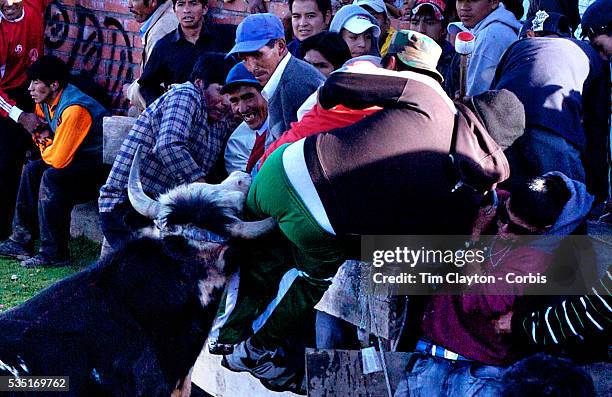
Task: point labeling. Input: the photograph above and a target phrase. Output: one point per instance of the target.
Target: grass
(18, 284)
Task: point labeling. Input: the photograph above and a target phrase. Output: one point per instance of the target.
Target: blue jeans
(428, 376)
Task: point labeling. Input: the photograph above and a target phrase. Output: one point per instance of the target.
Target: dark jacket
(564, 86)
(173, 57)
(395, 164)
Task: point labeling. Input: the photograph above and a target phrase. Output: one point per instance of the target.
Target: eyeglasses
(591, 33)
(504, 217)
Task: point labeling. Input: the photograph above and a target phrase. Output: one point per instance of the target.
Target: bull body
(129, 325)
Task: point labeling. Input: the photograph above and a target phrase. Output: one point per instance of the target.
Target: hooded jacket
(494, 34)
(464, 324)
(397, 160)
(349, 11)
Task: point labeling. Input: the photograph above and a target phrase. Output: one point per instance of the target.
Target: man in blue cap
(250, 139)
(287, 82)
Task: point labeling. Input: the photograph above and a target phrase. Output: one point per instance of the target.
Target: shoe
(219, 348)
(14, 250)
(42, 261)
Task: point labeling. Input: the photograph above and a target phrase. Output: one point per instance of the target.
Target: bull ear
(142, 203)
(251, 230)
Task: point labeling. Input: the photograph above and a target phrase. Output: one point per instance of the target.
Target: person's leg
(25, 219)
(60, 190)
(475, 380)
(15, 143)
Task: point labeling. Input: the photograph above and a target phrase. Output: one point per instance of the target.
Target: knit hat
(502, 114)
(597, 18)
(549, 22)
(416, 50)
(438, 7)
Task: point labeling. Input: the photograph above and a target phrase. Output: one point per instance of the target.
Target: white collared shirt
(240, 145)
(272, 84)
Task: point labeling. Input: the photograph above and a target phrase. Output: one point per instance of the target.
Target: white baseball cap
(376, 5)
(358, 24)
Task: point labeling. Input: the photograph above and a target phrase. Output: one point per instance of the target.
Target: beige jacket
(163, 21)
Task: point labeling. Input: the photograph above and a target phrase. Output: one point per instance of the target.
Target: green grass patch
(18, 284)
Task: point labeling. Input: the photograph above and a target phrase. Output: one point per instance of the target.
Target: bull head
(216, 207)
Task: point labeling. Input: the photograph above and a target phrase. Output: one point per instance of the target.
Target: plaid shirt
(178, 146)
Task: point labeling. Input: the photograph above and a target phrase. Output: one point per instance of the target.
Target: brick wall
(100, 38)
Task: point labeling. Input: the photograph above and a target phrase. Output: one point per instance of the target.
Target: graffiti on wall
(98, 46)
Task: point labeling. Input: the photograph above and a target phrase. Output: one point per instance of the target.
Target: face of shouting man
(190, 13)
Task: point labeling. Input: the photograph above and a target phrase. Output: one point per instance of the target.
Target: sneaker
(42, 261)
(219, 348)
(14, 250)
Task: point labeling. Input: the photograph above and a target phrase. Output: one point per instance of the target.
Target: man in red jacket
(22, 29)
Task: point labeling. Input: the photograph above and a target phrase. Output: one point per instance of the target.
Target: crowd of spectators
(349, 127)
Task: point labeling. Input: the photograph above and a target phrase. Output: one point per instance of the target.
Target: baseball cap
(549, 22)
(358, 24)
(438, 7)
(255, 31)
(376, 5)
(417, 51)
(597, 18)
(239, 75)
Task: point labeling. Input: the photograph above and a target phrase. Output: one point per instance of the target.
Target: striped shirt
(574, 318)
(178, 146)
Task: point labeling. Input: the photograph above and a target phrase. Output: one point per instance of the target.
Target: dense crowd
(348, 127)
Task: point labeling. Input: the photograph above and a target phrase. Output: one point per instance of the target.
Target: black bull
(129, 325)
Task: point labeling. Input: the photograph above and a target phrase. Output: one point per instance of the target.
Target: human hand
(30, 121)
(503, 325)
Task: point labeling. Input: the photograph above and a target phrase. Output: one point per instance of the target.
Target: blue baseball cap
(239, 75)
(255, 31)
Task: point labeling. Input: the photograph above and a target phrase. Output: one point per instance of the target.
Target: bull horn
(252, 230)
(142, 203)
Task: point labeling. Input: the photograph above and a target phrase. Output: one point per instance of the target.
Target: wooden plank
(115, 129)
(339, 373)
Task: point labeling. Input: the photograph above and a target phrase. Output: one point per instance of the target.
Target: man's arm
(76, 122)
(180, 112)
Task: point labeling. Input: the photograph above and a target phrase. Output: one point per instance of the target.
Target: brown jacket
(391, 173)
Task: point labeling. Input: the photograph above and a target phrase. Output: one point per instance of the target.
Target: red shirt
(21, 43)
(319, 120)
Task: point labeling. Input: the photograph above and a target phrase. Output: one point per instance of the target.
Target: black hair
(49, 69)
(204, 2)
(330, 44)
(211, 67)
(539, 200)
(322, 5)
(542, 375)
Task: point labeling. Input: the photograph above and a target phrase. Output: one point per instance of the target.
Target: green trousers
(287, 274)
